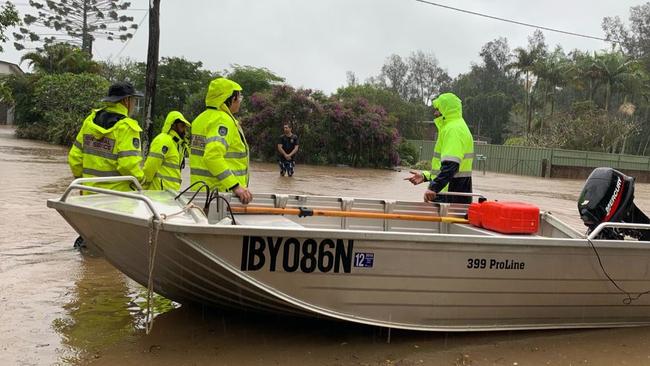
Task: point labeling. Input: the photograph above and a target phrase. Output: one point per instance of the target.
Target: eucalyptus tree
(489, 92)
(633, 39)
(426, 78)
(394, 74)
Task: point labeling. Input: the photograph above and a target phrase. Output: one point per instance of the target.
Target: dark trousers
(286, 166)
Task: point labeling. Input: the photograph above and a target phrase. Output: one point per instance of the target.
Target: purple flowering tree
(332, 130)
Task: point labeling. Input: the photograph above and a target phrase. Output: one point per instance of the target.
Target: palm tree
(583, 73)
(60, 58)
(551, 71)
(616, 71)
(525, 63)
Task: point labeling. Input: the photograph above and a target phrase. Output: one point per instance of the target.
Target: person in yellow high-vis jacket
(166, 158)
(108, 143)
(453, 154)
(219, 152)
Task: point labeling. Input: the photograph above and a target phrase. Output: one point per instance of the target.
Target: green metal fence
(535, 161)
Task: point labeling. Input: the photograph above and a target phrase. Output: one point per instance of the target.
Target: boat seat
(267, 220)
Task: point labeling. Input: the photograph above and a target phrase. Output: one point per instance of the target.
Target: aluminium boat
(386, 270)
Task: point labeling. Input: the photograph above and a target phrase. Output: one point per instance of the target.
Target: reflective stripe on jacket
(455, 142)
(164, 163)
(108, 144)
(219, 152)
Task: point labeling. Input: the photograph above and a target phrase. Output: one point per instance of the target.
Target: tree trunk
(608, 93)
(647, 111)
(541, 121)
(527, 105)
(86, 46)
(530, 112)
(646, 145)
(552, 102)
(152, 71)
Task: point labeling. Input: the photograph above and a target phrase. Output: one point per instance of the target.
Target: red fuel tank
(505, 217)
(474, 214)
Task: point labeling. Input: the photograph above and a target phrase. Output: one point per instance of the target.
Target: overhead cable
(518, 22)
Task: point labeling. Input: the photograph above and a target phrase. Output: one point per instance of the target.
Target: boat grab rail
(624, 225)
(119, 178)
(460, 194)
(76, 184)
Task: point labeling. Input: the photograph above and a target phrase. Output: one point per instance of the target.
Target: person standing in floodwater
(287, 148)
(451, 165)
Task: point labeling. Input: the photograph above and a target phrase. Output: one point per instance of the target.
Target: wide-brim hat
(119, 91)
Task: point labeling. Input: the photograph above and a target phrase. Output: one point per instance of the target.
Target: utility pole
(152, 71)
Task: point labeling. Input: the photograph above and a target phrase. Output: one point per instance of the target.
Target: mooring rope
(154, 229)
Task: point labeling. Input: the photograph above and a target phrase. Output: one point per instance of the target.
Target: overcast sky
(314, 43)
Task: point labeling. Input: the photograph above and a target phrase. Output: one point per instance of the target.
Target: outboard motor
(608, 196)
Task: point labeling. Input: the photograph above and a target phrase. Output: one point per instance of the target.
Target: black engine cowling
(608, 196)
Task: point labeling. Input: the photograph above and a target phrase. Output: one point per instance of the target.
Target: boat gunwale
(398, 236)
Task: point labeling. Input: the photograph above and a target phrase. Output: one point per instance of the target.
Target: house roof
(10, 68)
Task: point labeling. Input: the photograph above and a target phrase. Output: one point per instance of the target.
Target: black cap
(119, 91)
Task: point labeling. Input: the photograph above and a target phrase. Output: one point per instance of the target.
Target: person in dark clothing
(287, 148)
(451, 166)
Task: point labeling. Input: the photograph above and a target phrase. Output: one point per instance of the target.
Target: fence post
(550, 163)
(619, 162)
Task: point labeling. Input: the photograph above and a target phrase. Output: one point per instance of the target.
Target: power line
(129, 40)
(517, 22)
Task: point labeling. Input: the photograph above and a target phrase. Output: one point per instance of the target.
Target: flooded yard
(60, 307)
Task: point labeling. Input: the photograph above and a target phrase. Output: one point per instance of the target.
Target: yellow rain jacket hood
(450, 106)
(219, 90)
(219, 152)
(454, 142)
(172, 117)
(166, 157)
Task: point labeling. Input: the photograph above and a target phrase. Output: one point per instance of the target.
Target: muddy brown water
(60, 307)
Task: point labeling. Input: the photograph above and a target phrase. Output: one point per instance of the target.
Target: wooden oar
(303, 211)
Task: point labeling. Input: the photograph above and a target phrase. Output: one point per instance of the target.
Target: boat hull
(432, 282)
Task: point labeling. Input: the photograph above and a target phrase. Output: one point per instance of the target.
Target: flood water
(60, 307)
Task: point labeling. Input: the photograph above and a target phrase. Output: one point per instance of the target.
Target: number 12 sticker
(364, 260)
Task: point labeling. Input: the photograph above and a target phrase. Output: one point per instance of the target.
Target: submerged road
(59, 307)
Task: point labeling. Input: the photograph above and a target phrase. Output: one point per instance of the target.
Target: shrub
(269, 110)
(360, 134)
(331, 130)
(422, 165)
(408, 153)
(60, 102)
(515, 141)
(26, 111)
